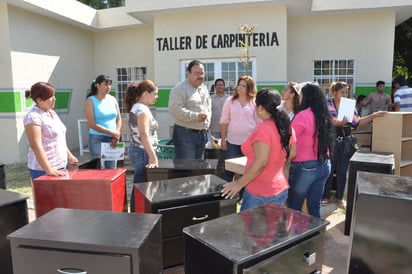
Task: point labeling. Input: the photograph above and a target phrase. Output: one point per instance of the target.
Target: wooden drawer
(174, 219)
(51, 261)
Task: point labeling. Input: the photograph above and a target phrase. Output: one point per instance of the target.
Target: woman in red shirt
(266, 149)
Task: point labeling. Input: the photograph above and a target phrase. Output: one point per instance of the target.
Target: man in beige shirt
(379, 100)
(190, 106)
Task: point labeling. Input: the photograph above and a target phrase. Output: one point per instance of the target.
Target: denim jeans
(340, 164)
(251, 201)
(307, 180)
(36, 173)
(139, 159)
(95, 142)
(189, 144)
(232, 151)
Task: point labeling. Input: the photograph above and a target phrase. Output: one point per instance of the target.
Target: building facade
(68, 44)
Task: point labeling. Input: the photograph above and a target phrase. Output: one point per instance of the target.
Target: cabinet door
(45, 261)
(305, 257)
(174, 219)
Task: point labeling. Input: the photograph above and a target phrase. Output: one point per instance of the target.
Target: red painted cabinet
(82, 189)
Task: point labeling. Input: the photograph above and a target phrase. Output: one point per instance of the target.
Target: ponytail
(270, 100)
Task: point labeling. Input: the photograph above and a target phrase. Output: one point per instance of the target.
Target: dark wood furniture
(13, 215)
(267, 239)
(96, 189)
(175, 168)
(379, 162)
(381, 238)
(88, 241)
(216, 153)
(2, 176)
(182, 202)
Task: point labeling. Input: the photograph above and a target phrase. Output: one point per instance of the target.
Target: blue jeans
(340, 164)
(95, 142)
(232, 151)
(139, 159)
(307, 180)
(36, 173)
(189, 144)
(251, 201)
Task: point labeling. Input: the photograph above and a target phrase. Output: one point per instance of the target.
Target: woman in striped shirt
(343, 128)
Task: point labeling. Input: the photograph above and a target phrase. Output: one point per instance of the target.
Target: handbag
(350, 144)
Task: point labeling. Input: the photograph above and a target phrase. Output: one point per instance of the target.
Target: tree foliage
(402, 61)
(103, 4)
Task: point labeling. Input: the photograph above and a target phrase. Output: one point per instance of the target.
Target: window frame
(326, 71)
(218, 71)
(134, 74)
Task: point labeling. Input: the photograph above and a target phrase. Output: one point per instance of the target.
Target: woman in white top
(290, 99)
(143, 127)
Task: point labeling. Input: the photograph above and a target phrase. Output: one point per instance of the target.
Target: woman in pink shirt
(46, 134)
(310, 168)
(266, 149)
(238, 119)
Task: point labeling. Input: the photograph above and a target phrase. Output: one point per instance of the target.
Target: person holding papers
(103, 118)
(345, 119)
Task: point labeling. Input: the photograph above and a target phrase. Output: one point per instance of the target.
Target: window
(231, 71)
(228, 69)
(327, 71)
(124, 77)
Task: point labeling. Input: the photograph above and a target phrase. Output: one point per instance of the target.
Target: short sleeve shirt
(53, 138)
(138, 109)
(271, 181)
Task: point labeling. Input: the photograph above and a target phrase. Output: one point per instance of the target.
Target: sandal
(342, 204)
(325, 202)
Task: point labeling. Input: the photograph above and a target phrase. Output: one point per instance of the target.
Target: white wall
(271, 61)
(123, 48)
(5, 62)
(367, 38)
(46, 50)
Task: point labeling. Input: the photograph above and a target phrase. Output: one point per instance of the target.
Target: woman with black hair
(310, 168)
(267, 149)
(103, 117)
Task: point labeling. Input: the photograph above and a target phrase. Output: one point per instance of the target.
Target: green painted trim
(366, 90)
(10, 102)
(163, 99)
(63, 98)
(277, 87)
(15, 102)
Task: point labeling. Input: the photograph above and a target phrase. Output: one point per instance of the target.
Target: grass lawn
(18, 179)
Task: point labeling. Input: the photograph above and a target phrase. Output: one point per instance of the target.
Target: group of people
(299, 127)
(46, 133)
(399, 100)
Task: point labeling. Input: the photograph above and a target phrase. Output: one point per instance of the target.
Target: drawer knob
(68, 270)
(200, 218)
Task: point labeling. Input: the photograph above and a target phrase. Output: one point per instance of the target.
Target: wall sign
(216, 41)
